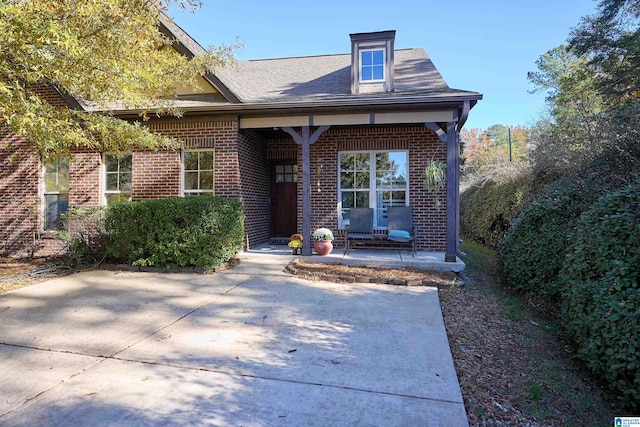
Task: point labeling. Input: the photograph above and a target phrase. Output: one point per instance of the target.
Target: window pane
(367, 58)
(288, 178)
(279, 169)
(63, 179)
(367, 73)
(50, 182)
(346, 162)
(206, 180)
(347, 180)
(206, 160)
(347, 199)
(112, 181)
(190, 161)
(377, 57)
(191, 181)
(362, 180)
(362, 199)
(111, 163)
(378, 73)
(51, 219)
(280, 177)
(363, 161)
(125, 163)
(125, 182)
(288, 168)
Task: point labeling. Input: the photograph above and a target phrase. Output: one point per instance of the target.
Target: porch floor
(381, 258)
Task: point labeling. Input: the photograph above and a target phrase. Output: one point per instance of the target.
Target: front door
(284, 191)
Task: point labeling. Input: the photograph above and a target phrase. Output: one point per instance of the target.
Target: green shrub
(192, 231)
(534, 250)
(488, 206)
(601, 299)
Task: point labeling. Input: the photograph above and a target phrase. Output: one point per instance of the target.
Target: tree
(106, 51)
(611, 41)
(487, 150)
(570, 135)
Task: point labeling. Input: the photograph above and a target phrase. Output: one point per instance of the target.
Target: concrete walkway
(252, 346)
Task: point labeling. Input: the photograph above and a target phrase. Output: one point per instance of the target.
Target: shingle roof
(326, 77)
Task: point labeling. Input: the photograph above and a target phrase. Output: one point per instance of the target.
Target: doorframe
(272, 181)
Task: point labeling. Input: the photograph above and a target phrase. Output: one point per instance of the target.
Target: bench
(400, 231)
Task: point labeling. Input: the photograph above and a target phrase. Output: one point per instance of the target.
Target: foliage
(486, 150)
(600, 290)
(571, 136)
(322, 234)
(611, 41)
(533, 250)
(84, 235)
(192, 231)
(103, 53)
(435, 178)
(490, 202)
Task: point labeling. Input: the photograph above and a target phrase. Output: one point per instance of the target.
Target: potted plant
(322, 241)
(296, 243)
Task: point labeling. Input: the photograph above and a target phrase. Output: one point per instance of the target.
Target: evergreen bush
(192, 231)
(488, 206)
(601, 299)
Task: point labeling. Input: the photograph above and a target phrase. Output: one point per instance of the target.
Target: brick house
(298, 140)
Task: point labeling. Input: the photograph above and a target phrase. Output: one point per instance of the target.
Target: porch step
(278, 240)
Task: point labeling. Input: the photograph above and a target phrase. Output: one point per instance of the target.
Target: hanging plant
(435, 178)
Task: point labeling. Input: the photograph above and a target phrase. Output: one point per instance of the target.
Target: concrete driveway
(248, 347)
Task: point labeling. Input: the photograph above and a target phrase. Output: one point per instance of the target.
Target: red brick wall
(155, 175)
(20, 177)
(422, 144)
(254, 177)
(19, 201)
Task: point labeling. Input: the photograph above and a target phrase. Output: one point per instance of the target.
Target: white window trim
(372, 183)
(184, 192)
(104, 191)
(384, 64)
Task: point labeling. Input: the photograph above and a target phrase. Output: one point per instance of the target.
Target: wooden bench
(400, 231)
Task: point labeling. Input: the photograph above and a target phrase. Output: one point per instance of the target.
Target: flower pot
(323, 247)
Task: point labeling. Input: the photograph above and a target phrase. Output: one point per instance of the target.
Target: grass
(547, 385)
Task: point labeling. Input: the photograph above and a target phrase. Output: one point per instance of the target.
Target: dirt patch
(18, 273)
(346, 274)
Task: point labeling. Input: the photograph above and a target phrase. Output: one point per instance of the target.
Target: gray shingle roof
(327, 77)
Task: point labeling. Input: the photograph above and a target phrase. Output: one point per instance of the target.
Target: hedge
(601, 299)
(533, 251)
(192, 231)
(488, 206)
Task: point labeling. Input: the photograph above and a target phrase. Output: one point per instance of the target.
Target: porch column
(448, 133)
(453, 188)
(306, 139)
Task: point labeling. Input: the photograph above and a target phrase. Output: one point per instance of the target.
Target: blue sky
(486, 46)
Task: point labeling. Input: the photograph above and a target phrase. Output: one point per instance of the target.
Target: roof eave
(453, 101)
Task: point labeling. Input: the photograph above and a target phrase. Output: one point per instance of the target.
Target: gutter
(470, 100)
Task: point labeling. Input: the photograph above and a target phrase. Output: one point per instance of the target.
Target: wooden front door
(284, 192)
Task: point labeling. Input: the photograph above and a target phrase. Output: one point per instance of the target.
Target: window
(118, 177)
(372, 179)
(371, 65)
(198, 173)
(286, 173)
(56, 192)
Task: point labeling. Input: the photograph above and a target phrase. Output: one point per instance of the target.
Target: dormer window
(372, 62)
(372, 65)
